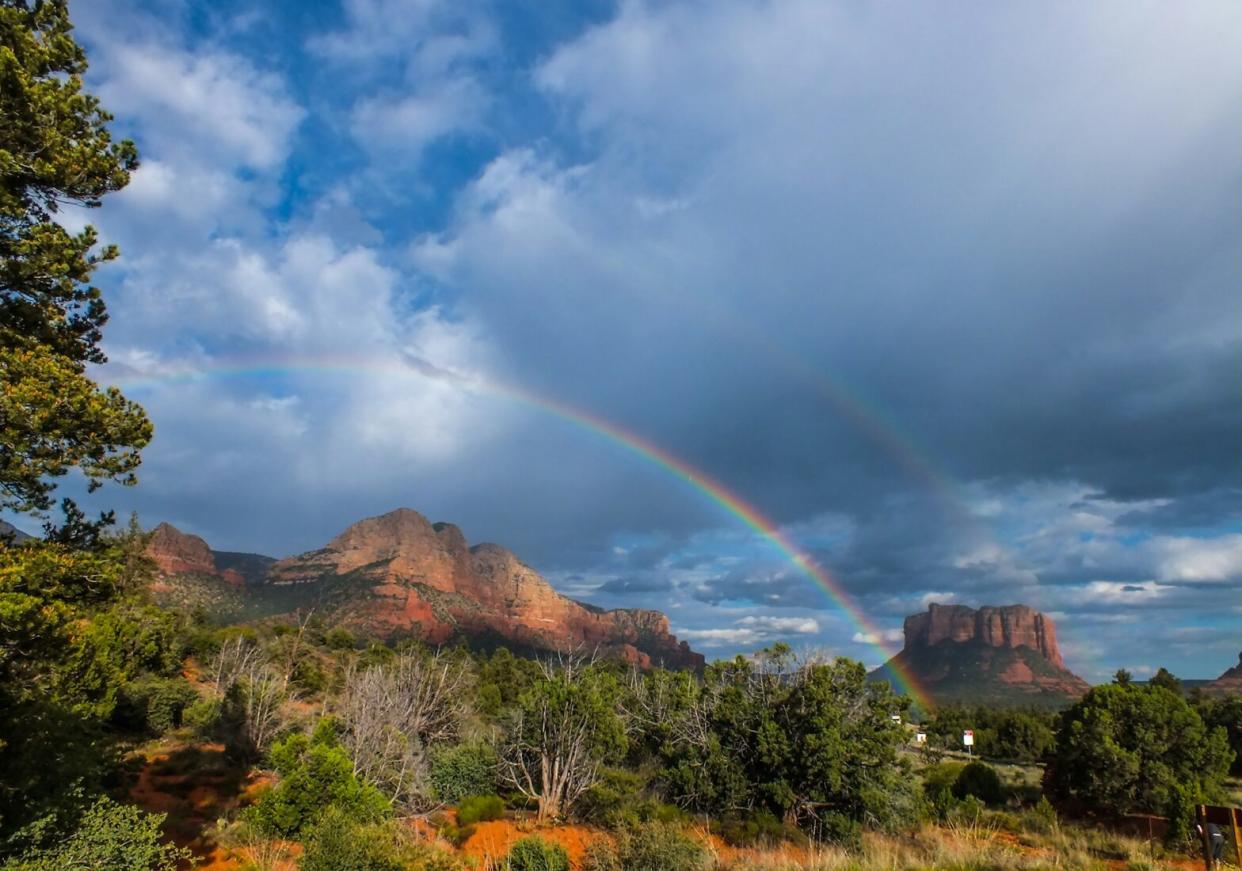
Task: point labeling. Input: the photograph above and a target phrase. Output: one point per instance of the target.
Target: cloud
(951, 302)
(1197, 559)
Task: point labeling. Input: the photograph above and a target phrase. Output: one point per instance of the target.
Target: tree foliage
(55, 150)
(315, 774)
(812, 743)
(1128, 747)
(560, 732)
(111, 835)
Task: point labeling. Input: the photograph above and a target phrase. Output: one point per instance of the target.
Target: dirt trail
(195, 785)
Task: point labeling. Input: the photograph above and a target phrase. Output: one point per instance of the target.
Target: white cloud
(1199, 559)
(214, 105)
(795, 625)
(887, 636)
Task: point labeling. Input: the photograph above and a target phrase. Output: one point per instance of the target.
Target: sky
(953, 297)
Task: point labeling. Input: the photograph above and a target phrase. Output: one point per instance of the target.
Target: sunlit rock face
(1007, 653)
(400, 575)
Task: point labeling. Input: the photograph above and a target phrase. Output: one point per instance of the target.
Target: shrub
(480, 808)
(153, 704)
(614, 801)
(761, 827)
(203, 716)
(110, 835)
(463, 770)
(659, 847)
(337, 843)
(536, 854)
(339, 639)
(315, 773)
(601, 856)
(980, 780)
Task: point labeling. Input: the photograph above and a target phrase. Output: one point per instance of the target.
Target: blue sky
(953, 297)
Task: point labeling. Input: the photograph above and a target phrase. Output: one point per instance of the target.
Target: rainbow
(629, 440)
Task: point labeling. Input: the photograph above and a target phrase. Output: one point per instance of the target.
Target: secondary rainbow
(631, 441)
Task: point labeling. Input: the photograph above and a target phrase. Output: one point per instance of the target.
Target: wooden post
(1235, 817)
(1201, 819)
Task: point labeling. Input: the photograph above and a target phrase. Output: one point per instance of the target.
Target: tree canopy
(55, 151)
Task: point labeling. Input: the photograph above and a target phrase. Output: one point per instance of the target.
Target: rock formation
(1008, 653)
(1008, 626)
(1230, 681)
(401, 575)
(179, 553)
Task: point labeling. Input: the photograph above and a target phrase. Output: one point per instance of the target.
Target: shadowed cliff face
(401, 575)
(1007, 653)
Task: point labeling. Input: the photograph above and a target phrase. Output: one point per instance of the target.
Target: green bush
(203, 716)
(110, 835)
(659, 847)
(480, 808)
(153, 704)
(315, 773)
(339, 639)
(463, 770)
(938, 783)
(601, 856)
(536, 854)
(980, 780)
(759, 828)
(338, 843)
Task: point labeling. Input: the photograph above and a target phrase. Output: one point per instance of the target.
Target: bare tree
(252, 693)
(393, 712)
(559, 735)
(235, 657)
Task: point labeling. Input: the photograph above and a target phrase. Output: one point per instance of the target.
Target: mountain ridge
(398, 575)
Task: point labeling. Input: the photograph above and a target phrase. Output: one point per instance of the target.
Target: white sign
(920, 737)
(968, 738)
(896, 718)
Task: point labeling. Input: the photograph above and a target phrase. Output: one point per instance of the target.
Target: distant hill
(10, 532)
(1005, 654)
(399, 575)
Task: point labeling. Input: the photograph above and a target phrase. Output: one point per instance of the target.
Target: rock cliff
(1009, 653)
(1008, 626)
(179, 553)
(401, 575)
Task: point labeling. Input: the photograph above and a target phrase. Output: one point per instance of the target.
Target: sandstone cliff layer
(960, 654)
(401, 575)
(1008, 626)
(178, 553)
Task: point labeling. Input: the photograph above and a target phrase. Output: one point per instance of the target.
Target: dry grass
(977, 846)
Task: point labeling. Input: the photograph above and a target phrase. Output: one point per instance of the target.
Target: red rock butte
(399, 575)
(1006, 626)
(1007, 653)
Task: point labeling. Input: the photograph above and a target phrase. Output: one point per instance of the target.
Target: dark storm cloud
(966, 282)
(636, 585)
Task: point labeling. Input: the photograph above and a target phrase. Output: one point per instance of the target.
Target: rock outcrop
(1009, 653)
(1230, 681)
(179, 553)
(1008, 626)
(399, 575)
(424, 579)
